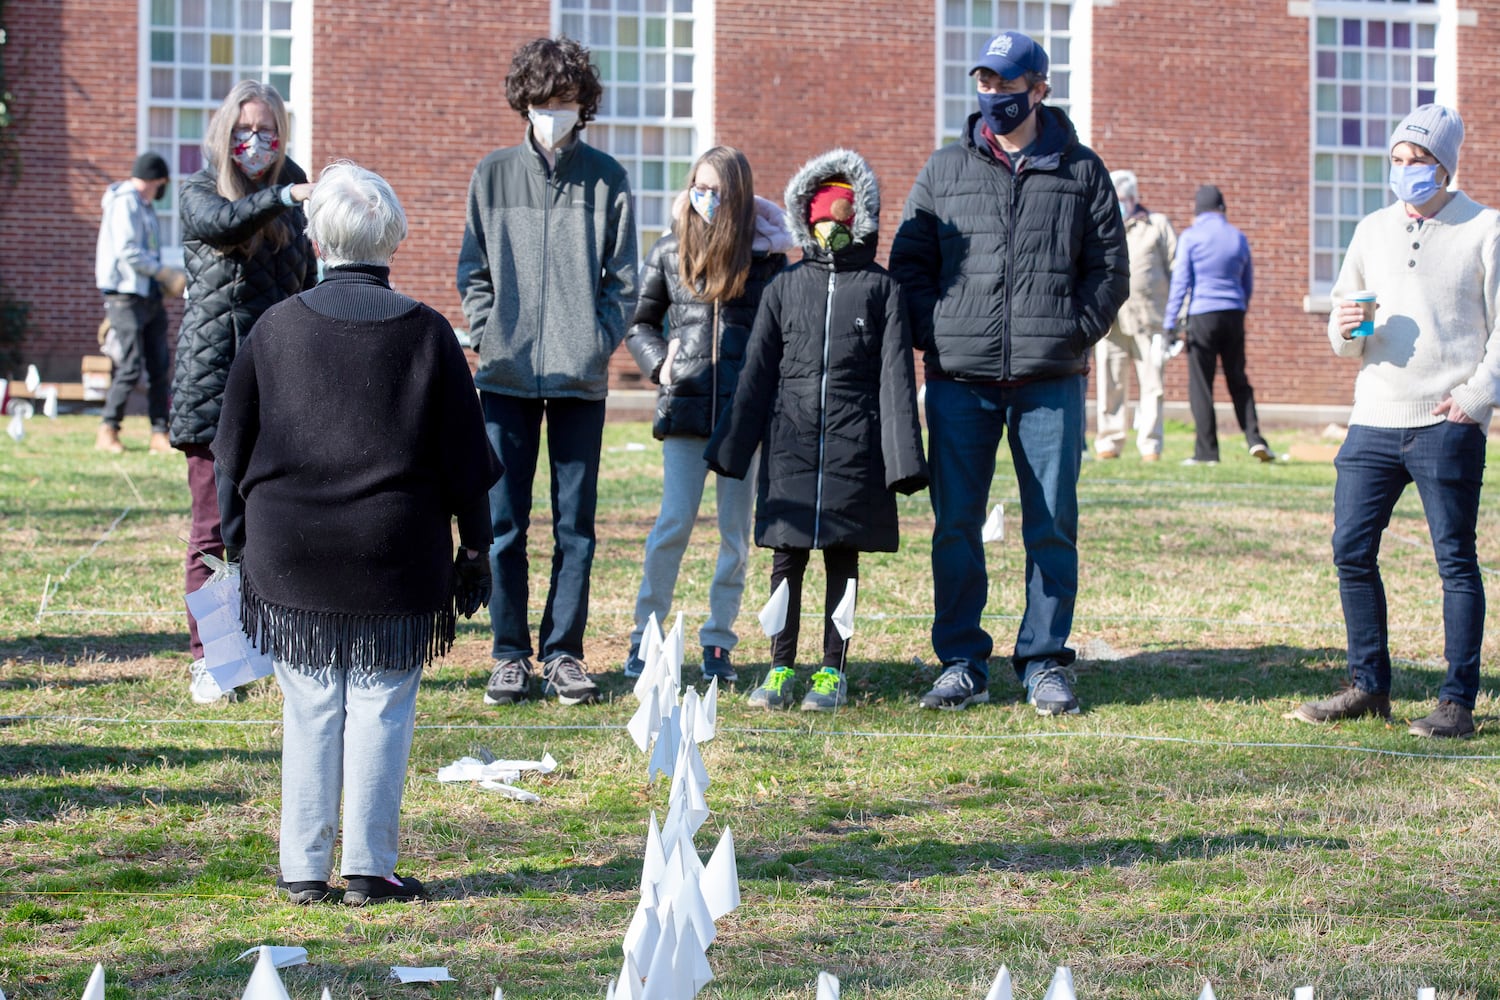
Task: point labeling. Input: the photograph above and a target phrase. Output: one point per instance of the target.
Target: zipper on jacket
(713, 399)
(823, 409)
(541, 304)
(1010, 269)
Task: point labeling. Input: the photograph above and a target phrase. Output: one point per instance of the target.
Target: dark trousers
(203, 533)
(841, 566)
(1215, 336)
(575, 433)
(141, 325)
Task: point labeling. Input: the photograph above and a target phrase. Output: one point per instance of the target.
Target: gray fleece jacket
(128, 252)
(547, 272)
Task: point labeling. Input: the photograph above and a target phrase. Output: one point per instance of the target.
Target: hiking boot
(108, 439)
(303, 893)
(160, 444)
(1050, 691)
(1350, 703)
(366, 890)
(566, 678)
(1261, 452)
(829, 691)
(776, 690)
(205, 690)
(1446, 722)
(510, 682)
(957, 688)
(634, 665)
(716, 664)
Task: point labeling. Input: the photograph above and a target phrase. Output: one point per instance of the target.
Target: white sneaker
(204, 688)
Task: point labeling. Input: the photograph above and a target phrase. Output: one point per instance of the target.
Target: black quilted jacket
(228, 291)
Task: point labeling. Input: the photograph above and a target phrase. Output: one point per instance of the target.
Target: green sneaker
(829, 691)
(776, 690)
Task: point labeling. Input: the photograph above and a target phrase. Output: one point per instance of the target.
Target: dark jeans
(141, 325)
(203, 533)
(841, 566)
(1446, 461)
(965, 424)
(1215, 336)
(575, 433)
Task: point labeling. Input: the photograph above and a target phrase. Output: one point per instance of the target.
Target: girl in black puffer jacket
(828, 394)
(699, 291)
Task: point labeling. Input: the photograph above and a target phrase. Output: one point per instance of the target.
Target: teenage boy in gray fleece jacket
(547, 274)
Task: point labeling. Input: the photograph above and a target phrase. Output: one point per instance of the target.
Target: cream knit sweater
(1437, 331)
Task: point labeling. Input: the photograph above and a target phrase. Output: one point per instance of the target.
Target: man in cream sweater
(1427, 386)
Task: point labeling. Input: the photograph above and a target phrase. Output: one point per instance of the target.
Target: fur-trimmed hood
(820, 169)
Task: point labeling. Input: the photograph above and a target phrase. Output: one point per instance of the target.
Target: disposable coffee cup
(1366, 302)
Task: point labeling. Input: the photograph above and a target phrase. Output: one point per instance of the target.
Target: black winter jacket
(1012, 276)
(226, 291)
(711, 340)
(828, 392)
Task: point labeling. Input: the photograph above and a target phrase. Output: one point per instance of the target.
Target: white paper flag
(660, 977)
(49, 404)
(828, 987)
(643, 933)
(773, 615)
(646, 722)
(1062, 985)
(721, 879)
(673, 650)
(95, 988)
(693, 911)
(843, 615)
(1207, 993)
(33, 378)
(1302, 993)
(651, 643)
(421, 974)
(693, 972)
(994, 525)
(654, 860)
(1001, 988)
(265, 983)
(628, 986)
(707, 726)
(17, 426)
(283, 957)
(664, 752)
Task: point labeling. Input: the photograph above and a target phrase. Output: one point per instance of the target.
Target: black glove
(471, 582)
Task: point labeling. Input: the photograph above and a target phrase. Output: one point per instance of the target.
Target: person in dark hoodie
(828, 395)
(1012, 256)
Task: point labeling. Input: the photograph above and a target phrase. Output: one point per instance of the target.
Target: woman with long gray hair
(353, 434)
(244, 251)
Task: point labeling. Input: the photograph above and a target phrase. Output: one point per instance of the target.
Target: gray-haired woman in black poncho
(353, 434)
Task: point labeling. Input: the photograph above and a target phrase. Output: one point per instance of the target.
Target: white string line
(869, 734)
(47, 593)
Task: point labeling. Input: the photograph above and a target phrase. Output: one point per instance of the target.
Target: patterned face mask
(254, 152)
(705, 203)
(832, 236)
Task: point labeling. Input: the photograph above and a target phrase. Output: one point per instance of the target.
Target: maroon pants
(203, 536)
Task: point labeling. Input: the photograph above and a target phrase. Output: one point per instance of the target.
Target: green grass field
(1178, 830)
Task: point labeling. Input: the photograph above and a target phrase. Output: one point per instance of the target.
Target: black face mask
(161, 193)
(1004, 113)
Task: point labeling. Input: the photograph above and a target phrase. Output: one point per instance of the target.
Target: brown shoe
(1151, 456)
(1447, 721)
(1350, 703)
(108, 440)
(160, 444)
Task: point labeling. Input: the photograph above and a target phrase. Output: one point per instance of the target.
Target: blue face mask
(705, 203)
(1415, 184)
(1004, 113)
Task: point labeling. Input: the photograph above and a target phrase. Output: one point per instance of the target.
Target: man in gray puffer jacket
(547, 274)
(1012, 256)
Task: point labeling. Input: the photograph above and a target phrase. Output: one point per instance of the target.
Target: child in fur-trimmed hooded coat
(828, 394)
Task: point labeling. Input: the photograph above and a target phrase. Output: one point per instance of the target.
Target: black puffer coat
(828, 392)
(711, 339)
(1012, 276)
(228, 291)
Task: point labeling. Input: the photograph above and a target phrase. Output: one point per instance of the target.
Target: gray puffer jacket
(547, 270)
(1012, 276)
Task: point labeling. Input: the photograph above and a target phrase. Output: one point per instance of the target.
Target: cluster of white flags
(228, 654)
(681, 898)
(22, 410)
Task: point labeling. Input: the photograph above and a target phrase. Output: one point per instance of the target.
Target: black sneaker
(367, 890)
(1350, 703)
(510, 682)
(634, 665)
(957, 688)
(1448, 721)
(303, 893)
(716, 664)
(566, 678)
(1050, 691)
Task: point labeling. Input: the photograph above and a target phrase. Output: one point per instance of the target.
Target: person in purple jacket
(1213, 273)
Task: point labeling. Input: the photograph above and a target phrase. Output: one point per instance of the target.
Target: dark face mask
(1004, 113)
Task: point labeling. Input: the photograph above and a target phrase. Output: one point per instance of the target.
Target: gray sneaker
(1050, 691)
(829, 690)
(956, 689)
(566, 678)
(776, 690)
(1448, 721)
(1350, 703)
(510, 682)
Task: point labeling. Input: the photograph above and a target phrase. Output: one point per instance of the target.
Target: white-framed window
(1060, 26)
(655, 60)
(1372, 62)
(192, 52)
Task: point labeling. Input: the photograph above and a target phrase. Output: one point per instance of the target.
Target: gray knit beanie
(1435, 128)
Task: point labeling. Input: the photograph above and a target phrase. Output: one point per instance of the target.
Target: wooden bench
(92, 386)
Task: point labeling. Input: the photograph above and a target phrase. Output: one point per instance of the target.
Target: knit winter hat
(150, 167)
(1208, 199)
(832, 202)
(1437, 129)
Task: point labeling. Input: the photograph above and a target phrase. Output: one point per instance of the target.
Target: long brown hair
(714, 259)
(231, 181)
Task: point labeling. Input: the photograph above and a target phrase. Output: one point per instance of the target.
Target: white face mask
(552, 127)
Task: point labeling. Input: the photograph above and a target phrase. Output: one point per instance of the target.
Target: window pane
(221, 82)
(163, 13)
(221, 50)
(195, 48)
(159, 123)
(252, 15)
(163, 47)
(281, 15)
(281, 52)
(682, 34)
(193, 14)
(222, 14)
(252, 50)
(190, 123)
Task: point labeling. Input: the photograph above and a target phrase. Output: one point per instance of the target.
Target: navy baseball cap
(1011, 55)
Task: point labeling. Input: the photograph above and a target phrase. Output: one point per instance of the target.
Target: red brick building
(1284, 105)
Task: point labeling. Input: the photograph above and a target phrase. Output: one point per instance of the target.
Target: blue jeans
(965, 424)
(1446, 461)
(575, 433)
